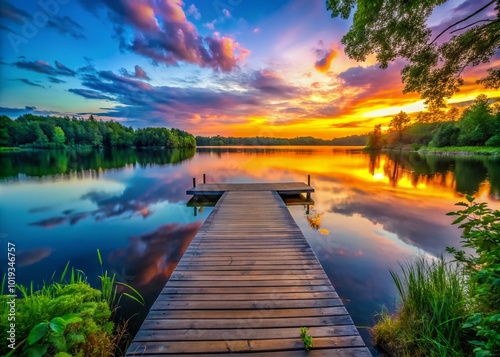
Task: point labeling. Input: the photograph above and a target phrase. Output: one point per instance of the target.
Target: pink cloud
(194, 12)
(210, 25)
(162, 32)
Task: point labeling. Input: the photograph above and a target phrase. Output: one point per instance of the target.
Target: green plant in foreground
(433, 305)
(67, 318)
(46, 333)
(306, 339)
(481, 232)
(450, 309)
(109, 287)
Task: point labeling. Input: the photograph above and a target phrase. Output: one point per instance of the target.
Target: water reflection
(368, 212)
(32, 256)
(137, 199)
(149, 259)
(464, 174)
(40, 163)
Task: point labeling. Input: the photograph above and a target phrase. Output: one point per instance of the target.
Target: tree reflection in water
(464, 174)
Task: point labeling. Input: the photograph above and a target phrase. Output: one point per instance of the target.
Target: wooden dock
(246, 285)
(280, 188)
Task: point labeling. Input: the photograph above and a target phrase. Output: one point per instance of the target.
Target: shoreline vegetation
(475, 130)
(67, 316)
(352, 140)
(449, 308)
(49, 132)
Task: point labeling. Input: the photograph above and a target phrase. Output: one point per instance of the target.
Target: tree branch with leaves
(393, 29)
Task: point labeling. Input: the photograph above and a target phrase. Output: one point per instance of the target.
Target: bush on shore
(450, 308)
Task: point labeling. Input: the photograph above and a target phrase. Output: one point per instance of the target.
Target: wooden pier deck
(246, 285)
(279, 187)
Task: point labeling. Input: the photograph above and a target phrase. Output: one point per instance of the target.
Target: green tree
(446, 135)
(6, 125)
(58, 137)
(393, 29)
(477, 124)
(400, 122)
(42, 141)
(375, 141)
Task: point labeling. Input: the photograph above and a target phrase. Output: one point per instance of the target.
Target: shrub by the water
(450, 308)
(65, 318)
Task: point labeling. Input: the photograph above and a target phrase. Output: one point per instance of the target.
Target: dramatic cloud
(30, 108)
(27, 81)
(324, 62)
(226, 13)
(271, 83)
(169, 105)
(45, 67)
(194, 12)
(160, 31)
(139, 73)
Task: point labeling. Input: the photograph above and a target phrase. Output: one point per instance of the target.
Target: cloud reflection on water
(149, 259)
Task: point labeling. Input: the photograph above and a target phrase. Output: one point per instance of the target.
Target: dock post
(204, 180)
(195, 211)
(194, 181)
(308, 184)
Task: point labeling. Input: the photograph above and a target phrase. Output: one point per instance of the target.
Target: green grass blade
(139, 298)
(99, 256)
(63, 275)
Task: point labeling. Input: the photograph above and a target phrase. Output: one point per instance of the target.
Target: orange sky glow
(252, 68)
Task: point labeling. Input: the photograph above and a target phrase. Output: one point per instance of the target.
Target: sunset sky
(228, 67)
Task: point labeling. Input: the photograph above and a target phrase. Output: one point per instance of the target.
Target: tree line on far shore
(477, 125)
(55, 132)
(353, 140)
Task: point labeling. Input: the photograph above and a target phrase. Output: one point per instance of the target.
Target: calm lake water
(371, 211)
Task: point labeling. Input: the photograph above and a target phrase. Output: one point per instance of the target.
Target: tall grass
(69, 294)
(433, 300)
(109, 287)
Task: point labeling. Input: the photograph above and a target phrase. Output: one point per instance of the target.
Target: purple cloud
(372, 76)
(67, 26)
(56, 80)
(45, 67)
(89, 94)
(138, 74)
(270, 83)
(161, 32)
(28, 82)
(194, 12)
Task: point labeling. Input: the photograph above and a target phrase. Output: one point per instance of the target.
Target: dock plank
(221, 188)
(246, 285)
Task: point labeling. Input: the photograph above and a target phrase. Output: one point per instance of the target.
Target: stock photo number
(11, 288)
